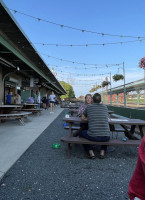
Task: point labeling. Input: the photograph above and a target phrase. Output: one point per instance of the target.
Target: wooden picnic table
(4, 109)
(133, 123)
(30, 108)
(75, 110)
(70, 106)
(16, 115)
(132, 140)
(29, 105)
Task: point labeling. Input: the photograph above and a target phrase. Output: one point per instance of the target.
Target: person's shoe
(91, 157)
(91, 154)
(102, 154)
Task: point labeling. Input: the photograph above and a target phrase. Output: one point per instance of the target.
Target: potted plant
(105, 83)
(95, 87)
(118, 77)
(142, 63)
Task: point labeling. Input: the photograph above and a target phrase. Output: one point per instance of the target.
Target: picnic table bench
(32, 110)
(18, 116)
(77, 140)
(132, 140)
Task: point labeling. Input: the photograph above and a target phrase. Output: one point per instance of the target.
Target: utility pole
(124, 86)
(110, 91)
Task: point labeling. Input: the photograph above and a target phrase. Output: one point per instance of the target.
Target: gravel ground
(44, 173)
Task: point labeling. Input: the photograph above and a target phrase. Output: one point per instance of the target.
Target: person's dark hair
(97, 98)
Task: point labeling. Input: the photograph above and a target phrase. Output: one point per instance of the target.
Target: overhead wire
(74, 28)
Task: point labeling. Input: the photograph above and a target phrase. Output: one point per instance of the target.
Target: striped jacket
(97, 115)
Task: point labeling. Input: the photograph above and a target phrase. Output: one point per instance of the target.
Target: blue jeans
(97, 139)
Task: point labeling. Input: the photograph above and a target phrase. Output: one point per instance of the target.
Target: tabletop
(30, 104)
(4, 109)
(110, 120)
(10, 106)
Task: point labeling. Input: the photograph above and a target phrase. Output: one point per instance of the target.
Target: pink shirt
(137, 183)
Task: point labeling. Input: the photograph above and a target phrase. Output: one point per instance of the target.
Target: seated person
(30, 100)
(98, 126)
(137, 183)
(88, 100)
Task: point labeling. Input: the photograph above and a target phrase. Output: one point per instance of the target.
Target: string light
(86, 45)
(80, 68)
(79, 63)
(70, 61)
(74, 28)
(77, 74)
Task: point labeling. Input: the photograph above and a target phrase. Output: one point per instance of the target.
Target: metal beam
(26, 61)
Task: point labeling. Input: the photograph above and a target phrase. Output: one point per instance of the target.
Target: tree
(69, 90)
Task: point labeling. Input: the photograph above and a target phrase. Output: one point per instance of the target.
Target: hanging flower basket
(98, 87)
(95, 88)
(142, 63)
(118, 77)
(105, 83)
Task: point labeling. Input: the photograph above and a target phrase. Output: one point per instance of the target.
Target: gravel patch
(44, 173)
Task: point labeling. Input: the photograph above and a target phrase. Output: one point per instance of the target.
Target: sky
(104, 22)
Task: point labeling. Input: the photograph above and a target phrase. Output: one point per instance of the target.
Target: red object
(137, 182)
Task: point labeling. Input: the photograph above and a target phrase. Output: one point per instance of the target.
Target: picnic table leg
(70, 129)
(21, 121)
(129, 134)
(26, 117)
(68, 150)
(141, 131)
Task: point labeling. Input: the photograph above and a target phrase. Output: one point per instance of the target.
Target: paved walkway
(15, 139)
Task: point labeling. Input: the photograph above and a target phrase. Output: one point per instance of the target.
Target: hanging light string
(74, 28)
(79, 63)
(87, 45)
(96, 66)
(62, 72)
(80, 80)
(70, 61)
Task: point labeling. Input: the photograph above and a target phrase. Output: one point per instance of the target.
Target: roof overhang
(17, 51)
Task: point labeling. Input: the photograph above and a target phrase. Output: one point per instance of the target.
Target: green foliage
(105, 83)
(69, 89)
(95, 88)
(118, 77)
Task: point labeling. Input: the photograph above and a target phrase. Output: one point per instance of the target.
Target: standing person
(8, 98)
(34, 96)
(98, 126)
(137, 183)
(88, 100)
(44, 102)
(38, 100)
(52, 98)
(47, 102)
(18, 99)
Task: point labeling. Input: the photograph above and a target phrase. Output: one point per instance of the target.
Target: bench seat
(17, 116)
(32, 110)
(78, 140)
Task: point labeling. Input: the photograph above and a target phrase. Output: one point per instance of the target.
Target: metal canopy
(17, 51)
(132, 86)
